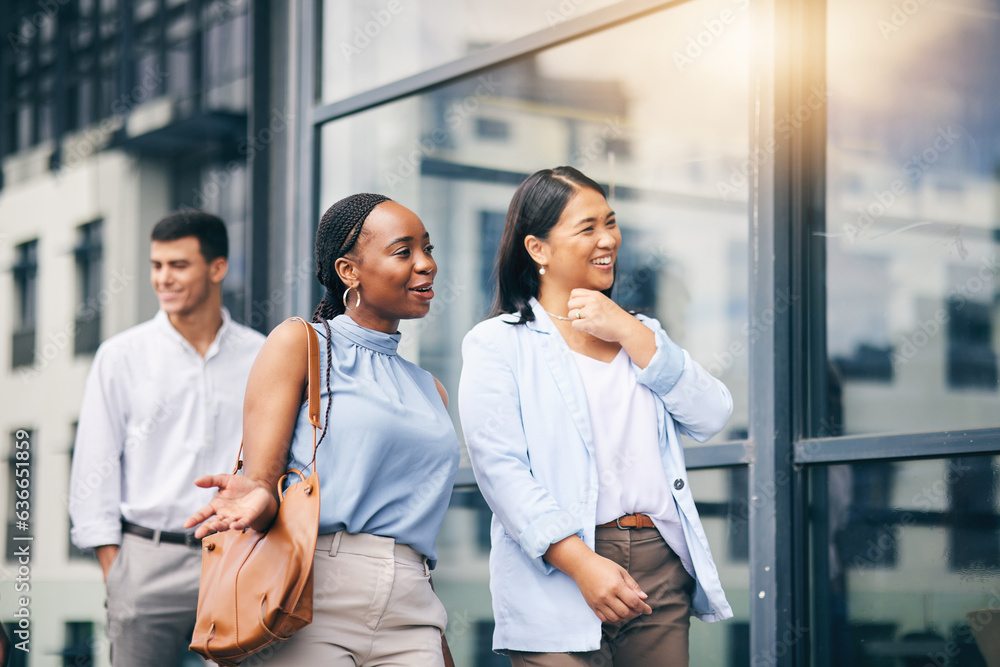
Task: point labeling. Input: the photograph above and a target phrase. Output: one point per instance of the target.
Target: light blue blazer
(527, 426)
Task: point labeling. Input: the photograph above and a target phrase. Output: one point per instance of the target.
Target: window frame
(89, 251)
(25, 317)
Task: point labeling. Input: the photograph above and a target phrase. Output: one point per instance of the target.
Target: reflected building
(912, 197)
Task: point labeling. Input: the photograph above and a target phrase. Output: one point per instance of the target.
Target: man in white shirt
(163, 405)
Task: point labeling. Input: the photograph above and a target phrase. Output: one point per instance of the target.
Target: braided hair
(336, 236)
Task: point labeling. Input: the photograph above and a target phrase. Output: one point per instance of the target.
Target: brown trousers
(658, 639)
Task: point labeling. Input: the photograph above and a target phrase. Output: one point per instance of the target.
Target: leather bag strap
(312, 390)
(312, 345)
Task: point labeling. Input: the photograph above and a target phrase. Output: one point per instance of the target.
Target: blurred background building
(809, 200)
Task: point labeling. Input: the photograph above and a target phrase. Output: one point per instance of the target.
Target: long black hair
(337, 235)
(535, 209)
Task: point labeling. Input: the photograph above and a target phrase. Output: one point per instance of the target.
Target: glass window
(25, 123)
(26, 304)
(462, 578)
(79, 644)
(89, 269)
(912, 210)
(721, 498)
(46, 107)
(664, 139)
(180, 83)
(226, 62)
(221, 188)
(367, 44)
(906, 561)
(26, 285)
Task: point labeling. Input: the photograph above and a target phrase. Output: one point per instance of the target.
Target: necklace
(560, 317)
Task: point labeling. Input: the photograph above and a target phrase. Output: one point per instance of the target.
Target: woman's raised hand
(592, 312)
(239, 504)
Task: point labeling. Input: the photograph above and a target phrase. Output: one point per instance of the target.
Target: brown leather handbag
(257, 588)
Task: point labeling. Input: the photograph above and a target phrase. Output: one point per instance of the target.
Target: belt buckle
(619, 524)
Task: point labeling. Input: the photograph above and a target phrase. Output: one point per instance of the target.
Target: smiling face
(581, 248)
(183, 281)
(392, 267)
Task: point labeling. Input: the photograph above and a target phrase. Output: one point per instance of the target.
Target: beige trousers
(372, 605)
(658, 639)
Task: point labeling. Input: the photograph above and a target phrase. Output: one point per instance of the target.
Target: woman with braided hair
(387, 469)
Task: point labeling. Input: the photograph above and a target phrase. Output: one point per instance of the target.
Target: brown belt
(629, 521)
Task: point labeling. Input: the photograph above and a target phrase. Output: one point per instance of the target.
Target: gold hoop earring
(347, 292)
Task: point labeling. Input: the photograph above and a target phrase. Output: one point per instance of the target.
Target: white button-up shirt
(156, 415)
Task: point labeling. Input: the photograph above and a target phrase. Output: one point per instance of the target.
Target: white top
(155, 416)
(631, 479)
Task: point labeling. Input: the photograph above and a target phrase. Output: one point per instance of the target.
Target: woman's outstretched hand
(240, 503)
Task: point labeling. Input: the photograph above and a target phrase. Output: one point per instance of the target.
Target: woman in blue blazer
(573, 410)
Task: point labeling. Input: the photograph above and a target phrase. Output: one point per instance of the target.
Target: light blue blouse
(389, 458)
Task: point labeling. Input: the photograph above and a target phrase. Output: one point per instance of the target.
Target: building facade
(809, 200)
